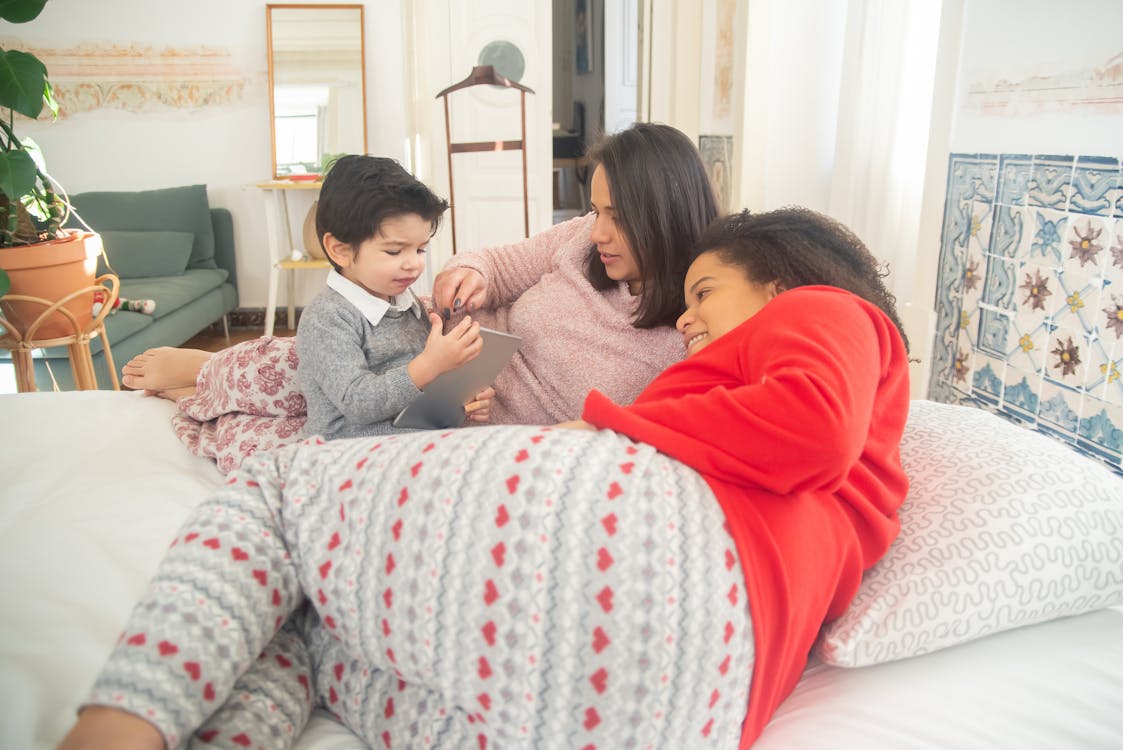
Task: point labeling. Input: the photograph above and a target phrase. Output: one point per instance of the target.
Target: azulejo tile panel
(1029, 299)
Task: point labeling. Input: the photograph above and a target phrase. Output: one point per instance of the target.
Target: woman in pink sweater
(594, 299)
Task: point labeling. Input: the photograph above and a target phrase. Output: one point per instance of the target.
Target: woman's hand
(576, 424)
(458, 289)
(479, 409)
(445, 351)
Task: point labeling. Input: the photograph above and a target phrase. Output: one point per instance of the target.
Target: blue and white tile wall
(1030, 295)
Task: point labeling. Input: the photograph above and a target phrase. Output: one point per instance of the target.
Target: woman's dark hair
(798, 247)
(361, 192)
(663, 200)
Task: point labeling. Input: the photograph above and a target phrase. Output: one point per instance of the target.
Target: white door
(447, 39)
(621, 63)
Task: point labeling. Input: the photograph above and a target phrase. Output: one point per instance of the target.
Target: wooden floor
(212, 340)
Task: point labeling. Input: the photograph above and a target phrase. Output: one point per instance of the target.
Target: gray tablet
(441, 404)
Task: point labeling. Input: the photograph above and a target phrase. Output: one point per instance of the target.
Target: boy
(365, 349)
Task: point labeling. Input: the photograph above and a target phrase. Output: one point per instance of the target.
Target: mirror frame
(270, 62)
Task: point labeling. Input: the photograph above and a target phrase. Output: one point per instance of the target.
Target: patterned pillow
(1002, 527)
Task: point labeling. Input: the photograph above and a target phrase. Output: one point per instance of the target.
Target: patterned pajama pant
(488, 587)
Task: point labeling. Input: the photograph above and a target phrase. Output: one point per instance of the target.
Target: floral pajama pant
(489, 587)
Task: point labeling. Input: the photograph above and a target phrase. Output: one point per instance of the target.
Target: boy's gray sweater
(353, 374)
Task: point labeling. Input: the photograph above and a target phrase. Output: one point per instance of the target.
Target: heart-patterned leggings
(485, 587)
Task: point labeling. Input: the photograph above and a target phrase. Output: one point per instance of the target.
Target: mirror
(317, 90)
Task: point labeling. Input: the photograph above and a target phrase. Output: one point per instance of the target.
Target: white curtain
(885, 106)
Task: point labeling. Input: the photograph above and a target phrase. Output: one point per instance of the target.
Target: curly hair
(796, 247)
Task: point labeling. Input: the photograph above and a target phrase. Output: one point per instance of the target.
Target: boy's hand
(458, 289)
(479, 409)
(445, 351)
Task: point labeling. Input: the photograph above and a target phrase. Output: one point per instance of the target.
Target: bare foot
(163, 368)
(113, 729)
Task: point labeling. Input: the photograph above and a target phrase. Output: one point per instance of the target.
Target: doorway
(595, 70)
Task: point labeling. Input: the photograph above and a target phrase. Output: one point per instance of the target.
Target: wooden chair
(23, 342)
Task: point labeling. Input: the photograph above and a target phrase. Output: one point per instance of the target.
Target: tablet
(441, 404)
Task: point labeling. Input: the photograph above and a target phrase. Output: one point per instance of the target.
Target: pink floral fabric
(246, 399)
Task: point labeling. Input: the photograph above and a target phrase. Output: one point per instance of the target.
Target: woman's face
(615, 253)
(719, 297)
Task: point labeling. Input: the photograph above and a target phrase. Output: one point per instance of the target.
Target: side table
(23, 342)
(279, 233)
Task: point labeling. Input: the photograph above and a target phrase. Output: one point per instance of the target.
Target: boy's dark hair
(798, 247)
(663, 199)
(361, 192)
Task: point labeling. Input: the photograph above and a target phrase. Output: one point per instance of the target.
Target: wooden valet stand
(22, 342)
(485, 75)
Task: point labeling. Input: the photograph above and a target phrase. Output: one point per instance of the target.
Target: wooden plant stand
(23, 342)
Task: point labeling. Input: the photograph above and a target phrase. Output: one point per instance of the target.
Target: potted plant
(38, 257)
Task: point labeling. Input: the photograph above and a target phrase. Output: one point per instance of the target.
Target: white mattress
(82, 528)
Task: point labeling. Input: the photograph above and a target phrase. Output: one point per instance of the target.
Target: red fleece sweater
(794, 419)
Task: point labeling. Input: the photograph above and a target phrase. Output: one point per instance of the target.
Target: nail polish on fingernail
(447, 314)
(456, 304)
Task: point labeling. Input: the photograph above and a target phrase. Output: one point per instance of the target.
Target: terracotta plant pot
(51, 270)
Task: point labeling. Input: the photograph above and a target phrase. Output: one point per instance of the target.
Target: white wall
(1016, 40)
(223, 146)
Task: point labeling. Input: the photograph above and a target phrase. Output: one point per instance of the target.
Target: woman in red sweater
(656, 582)
(791, 403)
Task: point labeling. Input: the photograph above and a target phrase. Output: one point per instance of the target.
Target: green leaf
(32, 148)
(23, 82)
(5, 282)
(18, 174)
(20, 11)
(49, 98)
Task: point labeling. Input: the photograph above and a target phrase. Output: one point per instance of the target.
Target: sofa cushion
(119, 325)
(138, 255)
(173, 292)
(176, 209)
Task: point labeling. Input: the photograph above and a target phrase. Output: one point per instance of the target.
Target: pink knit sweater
(574, 338)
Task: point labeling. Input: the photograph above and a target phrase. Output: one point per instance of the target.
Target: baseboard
(254, 317)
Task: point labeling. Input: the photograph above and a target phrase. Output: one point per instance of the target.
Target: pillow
(1002, 527)
(138, 255)
(177, 209)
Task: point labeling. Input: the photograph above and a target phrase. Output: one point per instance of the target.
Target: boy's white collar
(372, 308)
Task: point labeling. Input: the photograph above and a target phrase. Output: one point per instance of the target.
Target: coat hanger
(480, 75)
(484, 74)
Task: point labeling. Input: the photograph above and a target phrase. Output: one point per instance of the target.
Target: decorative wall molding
(1090, 90)
(139, 77)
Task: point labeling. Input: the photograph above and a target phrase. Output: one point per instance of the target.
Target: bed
(993, 622)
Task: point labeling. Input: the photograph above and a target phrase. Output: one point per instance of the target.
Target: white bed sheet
(82, 529)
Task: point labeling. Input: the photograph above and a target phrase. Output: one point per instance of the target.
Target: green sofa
(166, 245)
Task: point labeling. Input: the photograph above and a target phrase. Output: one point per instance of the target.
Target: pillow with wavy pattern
(1002, 527)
